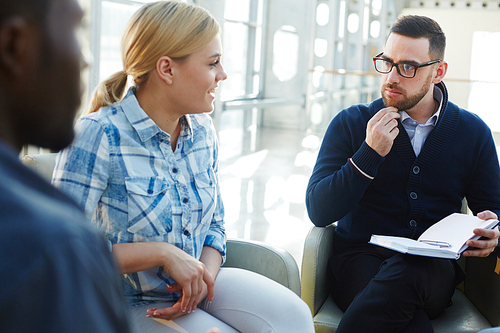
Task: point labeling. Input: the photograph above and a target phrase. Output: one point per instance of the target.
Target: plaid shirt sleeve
(82, 169)
(216, 237)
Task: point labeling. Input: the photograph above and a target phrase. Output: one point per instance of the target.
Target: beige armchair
(262, 258)
(476, 303)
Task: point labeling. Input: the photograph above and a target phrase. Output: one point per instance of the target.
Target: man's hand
(382, 129)
(483, 247)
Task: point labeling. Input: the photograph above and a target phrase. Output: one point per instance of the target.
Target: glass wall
(107, 22)
(308, 62)
(283, 57)
(347, 35)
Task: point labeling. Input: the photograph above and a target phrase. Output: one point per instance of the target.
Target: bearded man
(395, 167)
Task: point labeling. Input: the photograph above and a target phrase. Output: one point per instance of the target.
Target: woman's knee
(243, 297)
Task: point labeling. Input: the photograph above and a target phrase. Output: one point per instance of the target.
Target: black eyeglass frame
(377, 57)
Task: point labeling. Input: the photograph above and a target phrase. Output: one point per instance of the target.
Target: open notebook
(444, 239)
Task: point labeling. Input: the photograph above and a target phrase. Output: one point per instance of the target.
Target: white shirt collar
(438, 96)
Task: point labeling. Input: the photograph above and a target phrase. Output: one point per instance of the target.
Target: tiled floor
(264, 174)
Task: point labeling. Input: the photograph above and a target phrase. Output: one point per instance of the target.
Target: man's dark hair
(34, 9)
(416, 26)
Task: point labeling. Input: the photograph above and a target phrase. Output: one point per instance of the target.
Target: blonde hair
(172, 28)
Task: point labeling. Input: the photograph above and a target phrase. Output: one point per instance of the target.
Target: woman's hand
(191, 275)
(175, 310)
(212, 260)
(193, 279)
(168, 313)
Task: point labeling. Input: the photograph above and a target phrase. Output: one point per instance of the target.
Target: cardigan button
(413, 223)
(413, 195)
(416, 169)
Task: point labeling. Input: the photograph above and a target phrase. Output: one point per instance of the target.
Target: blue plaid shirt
(123, 172)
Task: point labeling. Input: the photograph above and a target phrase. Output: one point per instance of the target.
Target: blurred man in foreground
(56, 273)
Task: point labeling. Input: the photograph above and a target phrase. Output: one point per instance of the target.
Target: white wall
(459, 26)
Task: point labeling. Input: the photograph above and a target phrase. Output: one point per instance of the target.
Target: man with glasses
(395, 167)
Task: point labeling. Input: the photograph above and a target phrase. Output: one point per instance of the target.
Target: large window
(242, 31)
(107, 22)
(347, 35)
(485, 77)
(242, 42)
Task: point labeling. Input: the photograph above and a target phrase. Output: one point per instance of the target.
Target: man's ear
(18, 47)
(165, 69)
(441, 70)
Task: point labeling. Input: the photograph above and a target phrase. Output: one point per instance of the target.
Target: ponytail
(108, 92)
(173, 28)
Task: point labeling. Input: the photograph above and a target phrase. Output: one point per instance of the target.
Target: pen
(436, 243)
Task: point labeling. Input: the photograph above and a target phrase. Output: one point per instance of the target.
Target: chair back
(43, 164)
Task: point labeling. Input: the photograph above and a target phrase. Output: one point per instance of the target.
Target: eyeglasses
(384, 66)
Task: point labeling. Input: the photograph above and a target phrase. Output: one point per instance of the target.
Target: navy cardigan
(408, 193)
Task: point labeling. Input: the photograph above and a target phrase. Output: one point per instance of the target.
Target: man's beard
(409, 101)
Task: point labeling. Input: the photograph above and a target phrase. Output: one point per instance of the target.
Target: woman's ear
(164, 67)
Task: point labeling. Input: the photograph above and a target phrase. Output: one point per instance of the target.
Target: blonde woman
(145, 169)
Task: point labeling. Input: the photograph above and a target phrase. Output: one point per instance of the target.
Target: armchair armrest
(318, 249)
(482, 285)
(265, 259)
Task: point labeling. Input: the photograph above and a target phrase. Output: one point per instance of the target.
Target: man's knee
(403, 266)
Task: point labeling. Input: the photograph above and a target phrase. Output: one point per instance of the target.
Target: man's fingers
(382, 129)
(478, 252)
(491, 234)
(389, 119)
(487, 214)
(483, 247)
(394, 132)
(392, 123)
(382, 112)
(383, 119)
